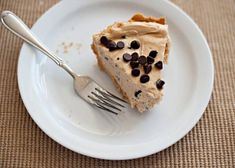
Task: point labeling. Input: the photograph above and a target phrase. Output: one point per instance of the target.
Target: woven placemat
(210, 144)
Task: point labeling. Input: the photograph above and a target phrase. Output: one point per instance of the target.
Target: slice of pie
(133, 53)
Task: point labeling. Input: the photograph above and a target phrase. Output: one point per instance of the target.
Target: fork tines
(106, 101)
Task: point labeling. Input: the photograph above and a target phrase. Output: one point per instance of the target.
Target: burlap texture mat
(210, 144)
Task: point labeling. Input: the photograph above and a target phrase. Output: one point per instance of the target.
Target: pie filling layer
(133, 53)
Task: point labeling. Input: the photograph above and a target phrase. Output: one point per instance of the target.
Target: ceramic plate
(47, 91)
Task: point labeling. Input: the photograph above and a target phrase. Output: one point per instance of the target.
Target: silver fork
(85, 87)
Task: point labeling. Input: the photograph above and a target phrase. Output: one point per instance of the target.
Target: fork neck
(67, 69)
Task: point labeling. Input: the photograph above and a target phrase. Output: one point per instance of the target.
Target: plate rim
(126, 157)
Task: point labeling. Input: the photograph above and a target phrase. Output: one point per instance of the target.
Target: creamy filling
(137, 95)
(152, 36)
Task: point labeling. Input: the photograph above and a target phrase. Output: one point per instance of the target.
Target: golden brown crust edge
(97, 58)
(139, 17)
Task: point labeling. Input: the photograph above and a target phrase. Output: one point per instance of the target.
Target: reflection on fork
(93, 93)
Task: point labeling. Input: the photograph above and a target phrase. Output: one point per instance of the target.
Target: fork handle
(19, 28)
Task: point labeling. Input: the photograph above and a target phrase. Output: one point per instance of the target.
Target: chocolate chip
(126, 57)
(118, 58)
(111, 45)
(144, 78)
(137, 93)
(106, 58)
(118, 78)
(134, 64)
(135, 44)
(104, 40)
(135, 72)
(159, 65)
(150, 60)
(123, 37)
(142, 60)
(153, 53)
(160, 84)
(120, 45)
(135, 56)
(147, 68)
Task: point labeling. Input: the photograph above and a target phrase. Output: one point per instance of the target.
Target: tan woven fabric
(210, 144)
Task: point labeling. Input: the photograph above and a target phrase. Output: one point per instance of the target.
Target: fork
(85, 87)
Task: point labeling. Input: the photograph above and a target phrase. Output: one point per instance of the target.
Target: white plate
(48, 95)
